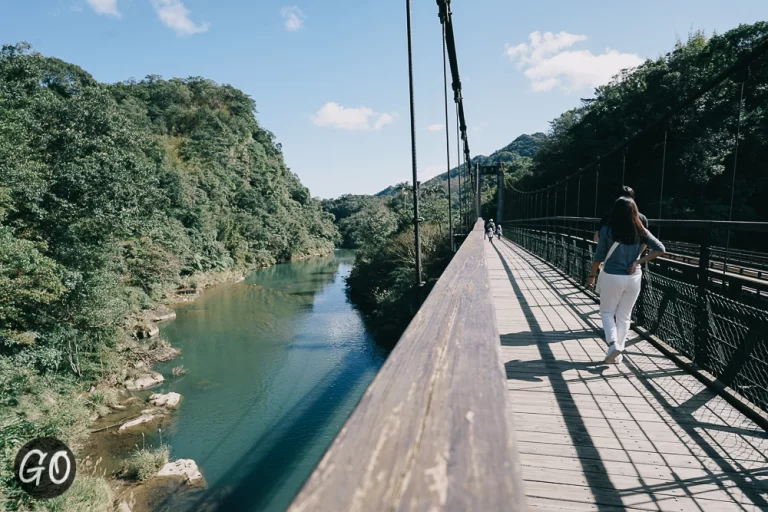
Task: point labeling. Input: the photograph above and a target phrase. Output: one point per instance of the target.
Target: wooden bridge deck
(643, 435)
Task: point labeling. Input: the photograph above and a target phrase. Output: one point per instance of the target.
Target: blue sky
(330, 78)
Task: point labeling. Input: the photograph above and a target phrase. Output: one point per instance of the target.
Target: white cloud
(105, 7)
(437, 127)
(549, 65)
(294, 18)
(383, 120)
(176, 17)
(354, 119)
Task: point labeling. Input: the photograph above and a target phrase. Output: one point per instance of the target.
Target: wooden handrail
(432, 431)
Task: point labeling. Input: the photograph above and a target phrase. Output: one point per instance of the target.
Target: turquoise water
(275, 365)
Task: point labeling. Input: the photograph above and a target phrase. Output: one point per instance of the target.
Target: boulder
(147, 331)
(147, 416)
(169, 400)
(163, 313)
(186, 468)
(144, 381)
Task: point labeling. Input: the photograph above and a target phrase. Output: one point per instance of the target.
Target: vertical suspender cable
(597, 183)
(458, 168)
(565, 204)
(663, 168)
(578, 198)
(447, 145)
(623, 166)
(733, 179)
(416, 219)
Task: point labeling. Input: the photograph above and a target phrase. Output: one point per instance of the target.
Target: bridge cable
(735, 162)
(416, 219)
(458, 168)
(445, 14)
(447, 141)
(663, 170)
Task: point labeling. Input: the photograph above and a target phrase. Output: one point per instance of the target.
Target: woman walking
(621, 243)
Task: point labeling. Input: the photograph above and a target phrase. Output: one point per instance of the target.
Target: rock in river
(186, 468)
(170, 400)
(144, 381)
(147, 416)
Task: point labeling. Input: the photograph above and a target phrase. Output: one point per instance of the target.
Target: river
(274, 366)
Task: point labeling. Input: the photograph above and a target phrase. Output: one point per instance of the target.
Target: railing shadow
(574, 423)
(728, 445)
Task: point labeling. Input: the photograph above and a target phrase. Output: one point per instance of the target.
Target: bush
(105, 396)
(87, 494)
(145, 462)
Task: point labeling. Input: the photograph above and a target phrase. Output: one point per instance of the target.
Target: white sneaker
(613, 354)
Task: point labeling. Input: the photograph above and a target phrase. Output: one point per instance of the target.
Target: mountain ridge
(524, 146)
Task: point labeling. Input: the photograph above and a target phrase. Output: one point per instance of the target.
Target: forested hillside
(700, 150)
(111, 195)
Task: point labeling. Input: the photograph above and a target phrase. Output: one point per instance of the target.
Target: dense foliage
(361, 220)
(110, 195)
(700, 150)
(382, 281)
(381, 284)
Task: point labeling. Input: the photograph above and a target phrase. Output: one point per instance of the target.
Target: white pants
(618, 294)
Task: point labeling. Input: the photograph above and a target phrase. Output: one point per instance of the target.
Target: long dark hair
(626, 227)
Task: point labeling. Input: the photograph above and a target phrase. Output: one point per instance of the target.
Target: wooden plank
(657, 471)
(556, 505)
(431, 431)
(637, 499)
(722, 490)
(627, 441)
(625, 454)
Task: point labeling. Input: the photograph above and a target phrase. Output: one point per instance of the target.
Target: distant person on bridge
(490, 228)
(623, 191)
(622, 241)
(498, 231)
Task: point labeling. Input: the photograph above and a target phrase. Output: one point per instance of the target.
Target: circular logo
(45, 467)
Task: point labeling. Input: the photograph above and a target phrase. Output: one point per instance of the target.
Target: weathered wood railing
(432, 430)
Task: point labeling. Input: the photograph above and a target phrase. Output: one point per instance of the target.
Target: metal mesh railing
(726, 337)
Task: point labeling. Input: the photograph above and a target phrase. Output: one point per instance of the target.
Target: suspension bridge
(496, 396)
